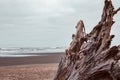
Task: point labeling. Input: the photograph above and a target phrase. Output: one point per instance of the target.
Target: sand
(29, 72)
(29, 68)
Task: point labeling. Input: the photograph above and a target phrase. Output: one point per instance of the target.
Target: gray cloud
(39, 23)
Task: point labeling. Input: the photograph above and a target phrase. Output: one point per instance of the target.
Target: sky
(49, 23)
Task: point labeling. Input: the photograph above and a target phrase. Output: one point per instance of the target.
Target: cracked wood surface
(90, 56)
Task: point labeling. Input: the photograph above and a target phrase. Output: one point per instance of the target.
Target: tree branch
(115, 12)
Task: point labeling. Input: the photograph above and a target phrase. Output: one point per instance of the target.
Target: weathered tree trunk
(90, 56)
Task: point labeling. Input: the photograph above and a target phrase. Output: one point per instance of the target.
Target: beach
(40, 67)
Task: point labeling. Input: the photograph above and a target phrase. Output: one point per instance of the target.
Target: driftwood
(90, 56)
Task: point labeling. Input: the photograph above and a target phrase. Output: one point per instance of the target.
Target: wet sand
(41, 67)
(41, 58)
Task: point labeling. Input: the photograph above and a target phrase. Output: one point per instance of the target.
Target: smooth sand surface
(42, 58)
(30, 68)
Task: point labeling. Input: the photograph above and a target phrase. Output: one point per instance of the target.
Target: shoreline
(41, 58)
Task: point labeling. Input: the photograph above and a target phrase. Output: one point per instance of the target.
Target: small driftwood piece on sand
(90, 56)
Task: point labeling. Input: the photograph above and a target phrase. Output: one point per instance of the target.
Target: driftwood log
(90, 56)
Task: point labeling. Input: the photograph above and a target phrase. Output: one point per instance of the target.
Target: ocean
(26, 52)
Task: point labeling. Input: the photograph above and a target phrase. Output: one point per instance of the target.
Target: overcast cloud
(48, 23)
